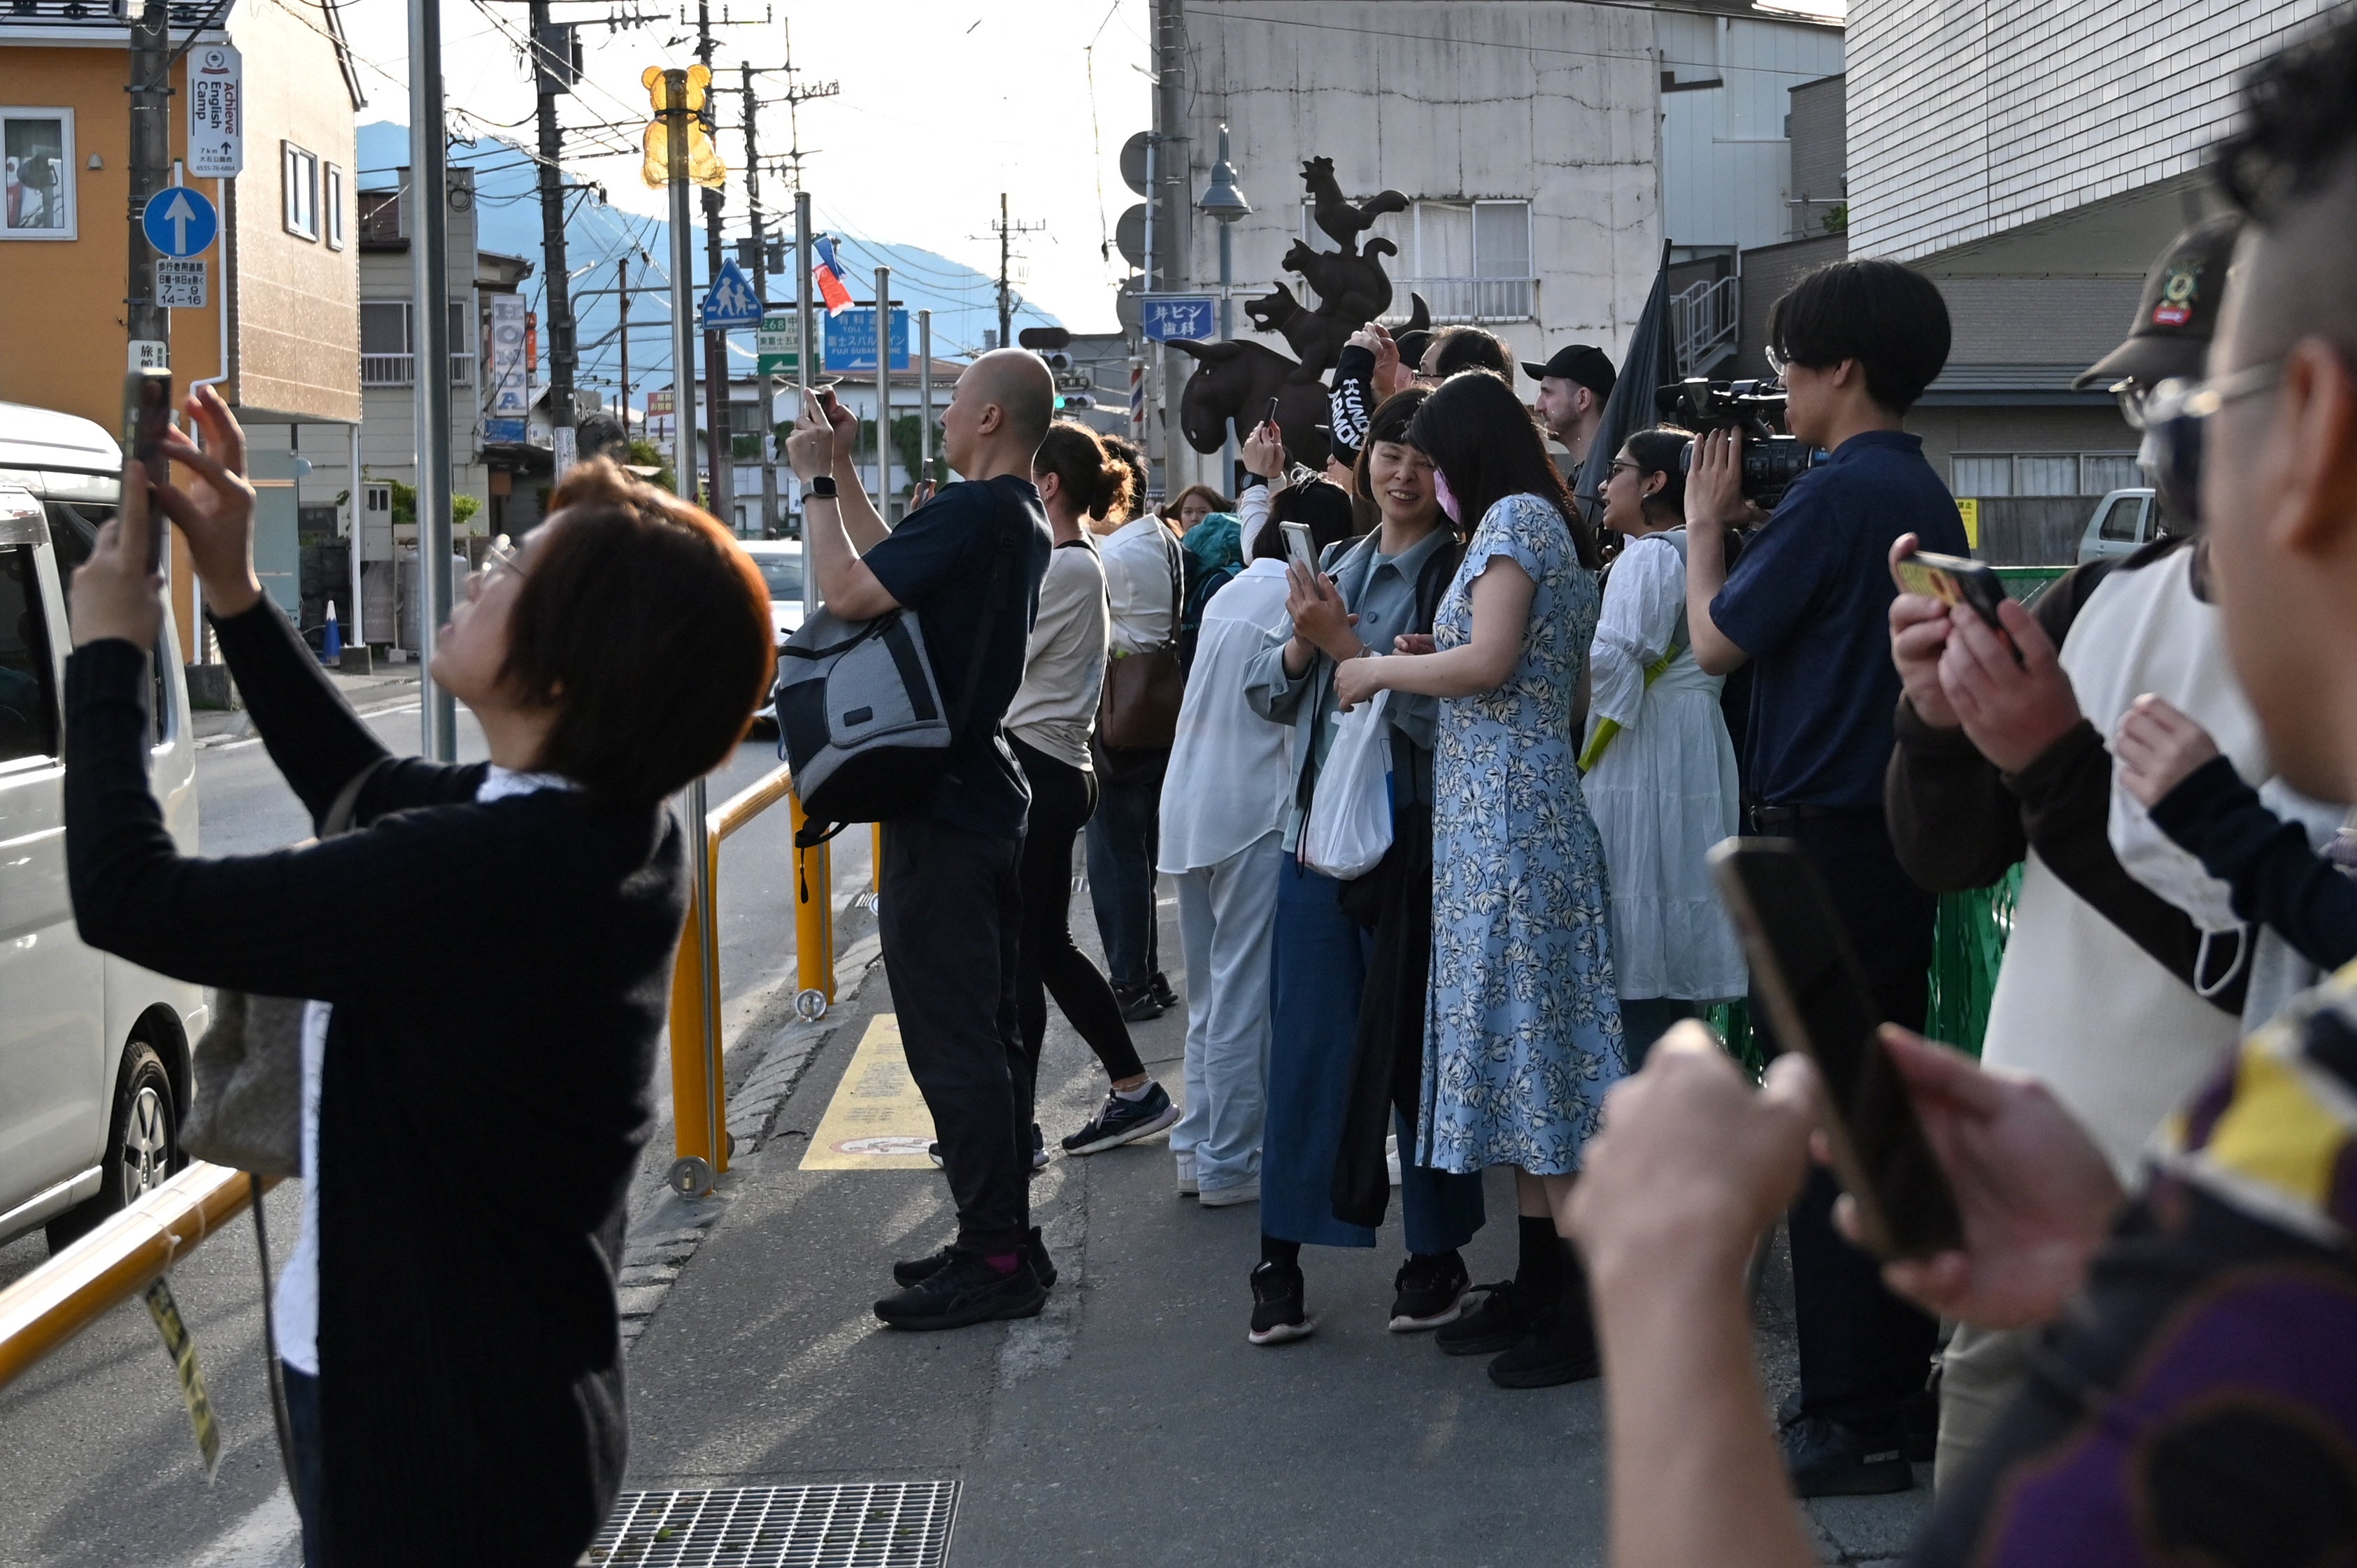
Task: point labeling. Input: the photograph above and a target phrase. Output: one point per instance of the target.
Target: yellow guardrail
(122, 1257)
(698, 1086)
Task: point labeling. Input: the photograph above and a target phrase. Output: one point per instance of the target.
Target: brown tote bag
(1139, 710)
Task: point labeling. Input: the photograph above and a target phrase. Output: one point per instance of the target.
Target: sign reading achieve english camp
(216, 112)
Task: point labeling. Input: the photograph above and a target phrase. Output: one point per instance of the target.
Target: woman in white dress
(1660, 769)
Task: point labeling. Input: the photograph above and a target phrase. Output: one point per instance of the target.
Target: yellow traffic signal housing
(704, 165)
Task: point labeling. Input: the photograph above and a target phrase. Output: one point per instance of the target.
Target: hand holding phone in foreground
(1919, 635)
(2036, 1196)
(2157, 747)
(2008, 689)
(1692, 1164)
(115, 593)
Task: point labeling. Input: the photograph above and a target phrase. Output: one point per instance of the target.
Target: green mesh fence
(1967, 948)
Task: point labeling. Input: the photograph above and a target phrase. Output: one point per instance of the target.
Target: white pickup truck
(93, 1050)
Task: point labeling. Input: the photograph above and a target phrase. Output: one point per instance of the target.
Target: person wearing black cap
(2105, 993)
(1573, 387)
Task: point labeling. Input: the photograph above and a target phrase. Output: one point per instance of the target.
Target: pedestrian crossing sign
(731, 302)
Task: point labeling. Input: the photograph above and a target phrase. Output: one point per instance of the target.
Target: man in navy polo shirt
(1808, 604)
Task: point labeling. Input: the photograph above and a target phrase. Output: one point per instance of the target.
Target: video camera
(1771, 460)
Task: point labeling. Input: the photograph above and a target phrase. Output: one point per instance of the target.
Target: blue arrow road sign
(731, 302)
(1168, 316)
(180, 221)
(851, 339)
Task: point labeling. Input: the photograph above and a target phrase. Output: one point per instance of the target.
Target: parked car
(2124, 522)
(93, 1049)
(781, 561)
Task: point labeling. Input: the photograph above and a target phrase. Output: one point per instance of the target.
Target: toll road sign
(180, 221)
(180, 284)
(850, 343)
(1169, 316)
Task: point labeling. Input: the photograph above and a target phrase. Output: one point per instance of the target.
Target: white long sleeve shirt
(1140, 564)
(1230, 782)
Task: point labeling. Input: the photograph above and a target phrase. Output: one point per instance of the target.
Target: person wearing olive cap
(2110, 993)
(1572, 388)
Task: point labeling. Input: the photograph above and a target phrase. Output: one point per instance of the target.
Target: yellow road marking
(876, 1121)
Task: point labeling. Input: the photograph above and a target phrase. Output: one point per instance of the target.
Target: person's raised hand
(113, 594)
(2036, 1197)
(810, 450)
(1692, 1164)
(2157, 747)
(1390, 375)
(1714, 482)
(2012, 710)
(844, 425)
(215, 509)
(1265, 452)
(1919, 635)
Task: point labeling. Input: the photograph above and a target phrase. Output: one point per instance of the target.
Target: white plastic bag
(1349, 824)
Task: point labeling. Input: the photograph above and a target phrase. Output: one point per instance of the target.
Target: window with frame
(298, 174)
(36, 174)
(331, 206)
(2100, 473)
(385, 343)
(28, 717)
(1982, 474)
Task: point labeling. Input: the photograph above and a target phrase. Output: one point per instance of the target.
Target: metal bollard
(813, 925)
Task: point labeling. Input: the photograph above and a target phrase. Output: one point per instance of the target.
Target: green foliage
(647, 454)
(464, 507)
(1836, 220)
(404, 504)
(742, 448)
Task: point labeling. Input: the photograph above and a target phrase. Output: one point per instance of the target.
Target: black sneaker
(933, 1153)
(1430, 1293)
(964, 1290)
(1278, 1313)
(1829, 1459)
(914, 1271)
(1123, 1121)
(1560, 1349)
(1138, 1002)
(1159, 987)
(1039, 1150)
(1505, 1316)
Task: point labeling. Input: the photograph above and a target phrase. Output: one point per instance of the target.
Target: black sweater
(500, 975)
(2277, 880)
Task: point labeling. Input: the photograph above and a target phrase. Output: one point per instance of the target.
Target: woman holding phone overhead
(471, 1412)
(1523, 1034)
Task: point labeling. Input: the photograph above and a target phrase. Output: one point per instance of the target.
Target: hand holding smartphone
(1300, 548)
(1952, 580)
(1817, 998)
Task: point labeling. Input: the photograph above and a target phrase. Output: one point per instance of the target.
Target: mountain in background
(964, 302)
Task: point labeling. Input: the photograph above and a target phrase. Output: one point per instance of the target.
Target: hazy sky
(945, 103)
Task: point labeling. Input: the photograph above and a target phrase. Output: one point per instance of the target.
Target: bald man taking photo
(968, 564)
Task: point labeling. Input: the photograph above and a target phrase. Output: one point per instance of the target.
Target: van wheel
(142, 1145)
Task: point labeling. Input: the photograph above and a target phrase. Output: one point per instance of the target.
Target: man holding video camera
(1808, 606)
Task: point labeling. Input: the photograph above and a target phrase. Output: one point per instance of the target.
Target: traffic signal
(704, 165)
(1044, 338)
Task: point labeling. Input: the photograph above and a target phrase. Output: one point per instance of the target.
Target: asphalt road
(97, 1463)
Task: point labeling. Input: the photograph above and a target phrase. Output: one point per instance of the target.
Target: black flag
(1632, 406)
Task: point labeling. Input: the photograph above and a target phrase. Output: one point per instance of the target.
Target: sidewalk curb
(667, 1235)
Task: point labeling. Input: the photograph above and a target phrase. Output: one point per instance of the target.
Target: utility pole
(766, 387)
(622, 332)
(1172, 198)
(151, 170)
(683, 289)
(1006, 232)
(723, 499)
(884, 395)
(429, 258)
(552, 73)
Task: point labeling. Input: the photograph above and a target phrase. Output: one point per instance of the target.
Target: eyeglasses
(2175, 415)
(502, 556)
(1621, 466)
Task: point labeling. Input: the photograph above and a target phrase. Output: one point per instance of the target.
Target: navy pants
(310, 1489)
(1320, 972)
(1123, 837)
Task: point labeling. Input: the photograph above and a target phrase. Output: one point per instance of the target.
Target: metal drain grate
(888, 1524)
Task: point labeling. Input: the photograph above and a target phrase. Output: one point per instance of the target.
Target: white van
(93, 1050)
(2123, 523)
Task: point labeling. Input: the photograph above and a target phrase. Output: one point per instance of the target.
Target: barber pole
(1138, 401)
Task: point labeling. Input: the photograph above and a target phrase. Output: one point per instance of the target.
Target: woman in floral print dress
(1523, 1032)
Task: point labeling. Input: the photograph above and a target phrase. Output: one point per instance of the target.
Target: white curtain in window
(1443, 240)
(2101, 472)
(1983, 475)
(2046, 474)
(1501, 239)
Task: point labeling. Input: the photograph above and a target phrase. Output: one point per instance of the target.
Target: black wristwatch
(823, 486)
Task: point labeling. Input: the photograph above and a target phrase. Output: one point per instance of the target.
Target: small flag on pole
(831, 287)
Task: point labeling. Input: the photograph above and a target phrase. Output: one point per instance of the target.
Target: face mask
(1448, 496)
(2175, 874)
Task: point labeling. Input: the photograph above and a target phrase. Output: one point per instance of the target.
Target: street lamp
(1223, 201)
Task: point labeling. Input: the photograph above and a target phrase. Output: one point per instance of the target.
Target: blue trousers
(1319, 972)
(1123, 837)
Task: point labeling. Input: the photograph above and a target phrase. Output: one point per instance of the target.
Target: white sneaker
(1227, 1197)
(1186, 1188)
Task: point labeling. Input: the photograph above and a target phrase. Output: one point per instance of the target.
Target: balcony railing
(1705, 321)
(394, 370)
(1455, 300)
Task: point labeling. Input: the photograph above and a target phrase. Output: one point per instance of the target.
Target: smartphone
(1299, 547)
(1817, 998)
(1270, 418)
(147, 415)
(1953, 580)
